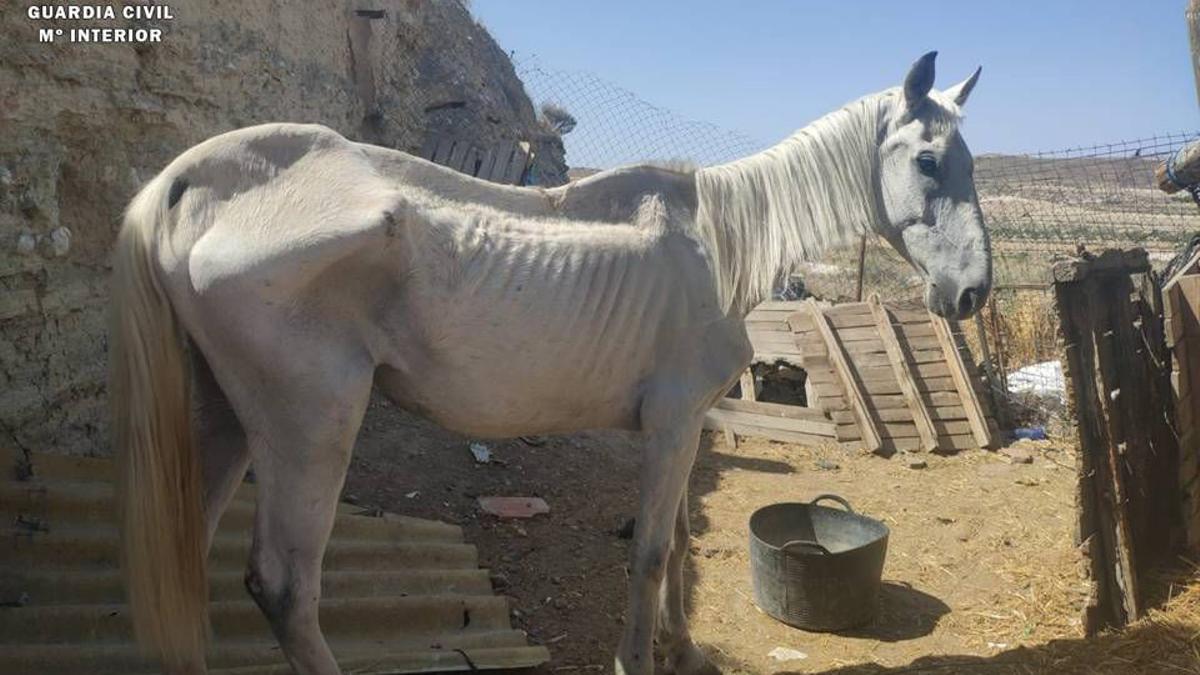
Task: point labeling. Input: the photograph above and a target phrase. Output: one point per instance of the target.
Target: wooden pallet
(885, 377)
(504, 162)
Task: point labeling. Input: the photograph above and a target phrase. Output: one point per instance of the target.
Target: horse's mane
(762, 215)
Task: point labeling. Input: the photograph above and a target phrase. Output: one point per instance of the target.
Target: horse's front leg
(672, 438)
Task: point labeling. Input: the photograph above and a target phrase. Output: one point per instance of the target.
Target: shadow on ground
(1157, 647)
(904, 614)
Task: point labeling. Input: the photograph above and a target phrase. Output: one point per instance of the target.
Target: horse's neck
(761, 216)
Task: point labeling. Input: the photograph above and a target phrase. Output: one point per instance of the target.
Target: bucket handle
(835, 498)
(805, 543)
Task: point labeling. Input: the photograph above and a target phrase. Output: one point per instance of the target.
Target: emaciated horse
(277, 273)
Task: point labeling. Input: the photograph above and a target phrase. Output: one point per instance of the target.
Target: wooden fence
(502, 162)
(1181, 297)
(1117, 369)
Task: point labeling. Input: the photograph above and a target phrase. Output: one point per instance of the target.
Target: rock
(513, 507)
(1017, 455)
(827, 465)
(916, 463)
(787, 654)
(481, 453)
(499, 581)
(26, 243)
(59, 242)
(77, 141)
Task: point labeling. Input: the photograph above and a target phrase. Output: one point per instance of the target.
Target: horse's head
(931, 213)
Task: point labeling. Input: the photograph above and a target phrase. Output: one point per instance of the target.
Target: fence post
(1193, 21)
(862, 267)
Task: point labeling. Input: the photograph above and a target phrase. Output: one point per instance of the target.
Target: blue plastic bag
(1030, 433)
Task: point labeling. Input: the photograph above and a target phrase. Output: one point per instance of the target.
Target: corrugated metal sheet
(401, 595)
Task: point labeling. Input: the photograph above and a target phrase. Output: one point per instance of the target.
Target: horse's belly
(500, 399)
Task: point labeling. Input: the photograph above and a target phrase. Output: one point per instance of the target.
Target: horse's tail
(159, 493)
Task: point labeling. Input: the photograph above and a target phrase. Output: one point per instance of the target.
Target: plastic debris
(787, 654)
(1030, 433)
(482, 453)
(1042, 379)
(514, 507)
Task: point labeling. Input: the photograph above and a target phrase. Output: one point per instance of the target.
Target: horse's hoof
(690, 660)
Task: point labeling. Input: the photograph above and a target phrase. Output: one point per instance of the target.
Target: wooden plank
(935, 399)
(824, 427)
(774, 409)
(850, 388)
(945, 413)
(503, 155)
(956, 442)
(906, 429)
(1101, 303)
(1109, 261)
(749, 386)
(792, 359)
(904, 375)
(785, 342)
(885, 372)
(488, 165)
(875, 388)
(444, 148)
(1186, 168)
(516, 168)
(807, 343)
(774, 434)
(785, 306)
(925, 361)
(428, 147)
(457, 156)
(962, 382)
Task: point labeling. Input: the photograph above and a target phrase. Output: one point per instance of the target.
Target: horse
(269, 277)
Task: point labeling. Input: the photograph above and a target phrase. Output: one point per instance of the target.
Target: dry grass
(1166, 641)
(1027, 326)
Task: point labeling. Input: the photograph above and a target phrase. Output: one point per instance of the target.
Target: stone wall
(83, 126)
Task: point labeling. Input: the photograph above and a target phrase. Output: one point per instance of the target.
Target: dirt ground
(980, 565)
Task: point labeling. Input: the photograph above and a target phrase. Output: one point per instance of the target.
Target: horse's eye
(927, 163)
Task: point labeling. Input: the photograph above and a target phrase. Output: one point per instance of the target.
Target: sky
(1056, 73)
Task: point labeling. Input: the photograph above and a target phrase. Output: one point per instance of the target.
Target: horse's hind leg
(300, 457)
(220, 442)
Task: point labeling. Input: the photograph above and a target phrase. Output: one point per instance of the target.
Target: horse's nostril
(967, 300)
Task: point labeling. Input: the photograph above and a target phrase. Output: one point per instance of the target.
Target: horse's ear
(959, 92)
(919, 80)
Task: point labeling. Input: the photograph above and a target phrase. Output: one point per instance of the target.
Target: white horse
(281, 271)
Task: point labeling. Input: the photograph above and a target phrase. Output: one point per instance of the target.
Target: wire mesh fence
(1037, 206)
(614, 127)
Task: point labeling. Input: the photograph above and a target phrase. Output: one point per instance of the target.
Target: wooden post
(989, 368)
(1110, 351)
(1187, 163)
(1114, 395)
(837, 356)
(1192, 15)
(904, 375)
(966, 389)
(749, 386)
(1001, 362)
(862, 267)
